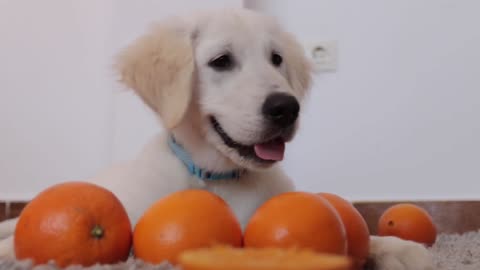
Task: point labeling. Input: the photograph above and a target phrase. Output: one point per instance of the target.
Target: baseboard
(11, 209)
(449, 216)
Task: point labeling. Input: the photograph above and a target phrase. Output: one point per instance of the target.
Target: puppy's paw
(6, 248)
(392, 253)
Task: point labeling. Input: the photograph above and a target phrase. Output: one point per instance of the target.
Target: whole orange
(409, 222)
(299, 220)
(358, 235)
(184, 220)
(73, 223)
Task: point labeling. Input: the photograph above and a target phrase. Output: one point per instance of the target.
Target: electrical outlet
(323, 55)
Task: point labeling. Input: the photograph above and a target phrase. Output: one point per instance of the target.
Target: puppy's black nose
(281, 109)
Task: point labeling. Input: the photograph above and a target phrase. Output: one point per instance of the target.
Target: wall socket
(323, 55)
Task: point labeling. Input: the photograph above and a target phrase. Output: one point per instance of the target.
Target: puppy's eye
(276, 59)
(222, 63)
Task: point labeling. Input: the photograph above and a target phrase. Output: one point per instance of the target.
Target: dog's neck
(202, 153)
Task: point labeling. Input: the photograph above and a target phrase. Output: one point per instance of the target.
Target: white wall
(62, 116)
(54, 100)
(400, 117)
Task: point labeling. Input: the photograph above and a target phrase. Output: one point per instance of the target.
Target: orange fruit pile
(408, 222)
(81, 223)
(73, 223)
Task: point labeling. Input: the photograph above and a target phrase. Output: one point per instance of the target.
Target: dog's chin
(258, 155)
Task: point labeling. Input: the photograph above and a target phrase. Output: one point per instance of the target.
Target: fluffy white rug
(451, 252)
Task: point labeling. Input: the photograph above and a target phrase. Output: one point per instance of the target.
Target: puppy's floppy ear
(299, 68)
(159, 67)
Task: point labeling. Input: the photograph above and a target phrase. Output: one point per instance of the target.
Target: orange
(409, 222)
(358, 235)
(297, 219)
(184, 220)
(221, 258)
(73, 223)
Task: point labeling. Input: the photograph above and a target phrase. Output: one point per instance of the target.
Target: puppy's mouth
(267, 151)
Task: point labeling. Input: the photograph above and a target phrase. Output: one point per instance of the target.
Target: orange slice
(221, 258)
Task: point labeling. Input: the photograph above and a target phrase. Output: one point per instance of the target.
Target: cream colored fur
(168, 69)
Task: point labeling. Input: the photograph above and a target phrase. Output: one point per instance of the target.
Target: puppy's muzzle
(281, 109)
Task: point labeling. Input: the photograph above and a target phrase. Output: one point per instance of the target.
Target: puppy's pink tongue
(272, 150)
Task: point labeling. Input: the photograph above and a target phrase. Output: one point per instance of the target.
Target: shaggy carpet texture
(450, 252)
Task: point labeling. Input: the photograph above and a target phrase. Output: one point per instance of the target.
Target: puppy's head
(244, 76)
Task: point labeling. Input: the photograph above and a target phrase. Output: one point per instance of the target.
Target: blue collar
(200, 173)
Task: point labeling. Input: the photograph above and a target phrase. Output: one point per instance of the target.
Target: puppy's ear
(299, 68)
(159, 67)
